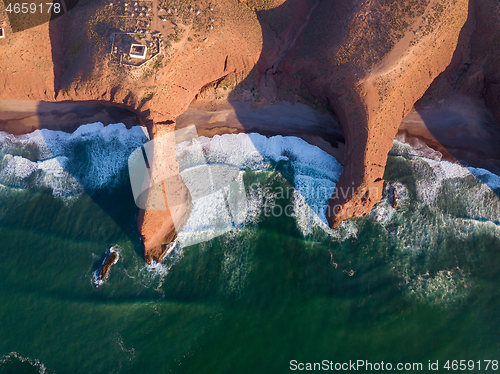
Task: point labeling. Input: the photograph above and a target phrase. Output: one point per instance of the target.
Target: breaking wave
(439, 201)
(445, 214)
(310, 178)
(65, 164)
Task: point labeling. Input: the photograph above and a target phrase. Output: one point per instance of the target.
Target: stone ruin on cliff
(138, 51)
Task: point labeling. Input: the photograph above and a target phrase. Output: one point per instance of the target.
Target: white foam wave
(254, 151)
(315, 174)
(470, 191)
(155, 273)
(471, 187)
(384, 210)
(67, 163)
(430, 184)
(450, 187)
(453, 203)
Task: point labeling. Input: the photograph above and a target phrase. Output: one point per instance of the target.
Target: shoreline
(462, 134)
(458, 137)
(286, 119)
(18, 117)
(282, 118)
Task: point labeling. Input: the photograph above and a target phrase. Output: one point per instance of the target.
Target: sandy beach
(464, 133)
(283, 118)
(24, 116)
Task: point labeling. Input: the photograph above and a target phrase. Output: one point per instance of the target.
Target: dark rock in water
(164, 251)
(394, 197)
(101, 274)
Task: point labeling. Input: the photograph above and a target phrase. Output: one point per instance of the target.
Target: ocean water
(405, 285)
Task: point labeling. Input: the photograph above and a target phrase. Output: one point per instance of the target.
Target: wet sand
(464, 133)
(321, 130)
(24, 116)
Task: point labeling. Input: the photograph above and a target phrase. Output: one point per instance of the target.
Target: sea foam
(67, 164)
(487, 177)
(315, 174)
(449, 211)
(95, 155)
(9, 361)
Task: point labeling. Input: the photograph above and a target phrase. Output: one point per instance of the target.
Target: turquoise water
(411, 285)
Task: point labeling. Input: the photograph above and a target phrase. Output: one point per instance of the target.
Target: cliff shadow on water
(272, 85)
(283, 24)
(340, 295)
(54, 155)
(93, 159)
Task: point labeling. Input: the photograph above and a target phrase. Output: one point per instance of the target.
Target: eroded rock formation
(378, 67)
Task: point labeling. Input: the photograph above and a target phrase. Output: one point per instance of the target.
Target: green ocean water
(253, 299)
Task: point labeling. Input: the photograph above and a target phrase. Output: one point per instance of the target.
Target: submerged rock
(101, 274)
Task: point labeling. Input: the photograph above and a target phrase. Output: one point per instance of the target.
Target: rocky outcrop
(100, 275)
(371, 74)
(369, 62)
(67, 59)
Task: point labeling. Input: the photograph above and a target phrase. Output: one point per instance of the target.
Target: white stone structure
(138, 51)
